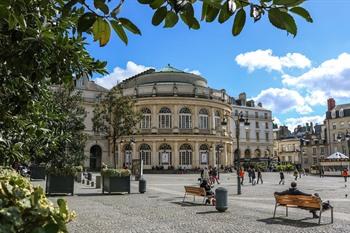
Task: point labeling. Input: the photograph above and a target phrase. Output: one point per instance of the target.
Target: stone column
(175, 155)
(154, 120)
(224, 155)
(195, 117)
(155, 155)
(175, 118)
(196, 155)
(212, 159)
(212, 125)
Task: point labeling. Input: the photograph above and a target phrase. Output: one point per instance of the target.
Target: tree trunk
(113, 152)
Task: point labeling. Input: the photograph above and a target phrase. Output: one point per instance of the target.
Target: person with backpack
(345, 174)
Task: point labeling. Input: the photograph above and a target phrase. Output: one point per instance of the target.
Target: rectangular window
(165, 121)
(247, 135)
(257, 136)
(290, 158)
(185, 121)
(267, 136)
(257, 124)
(265, 115)
(334, 125)
(314, 160)
(146, 157)
(203, 122)
(146, 122)
(266, 125)
(217, 123)
(314, 151)
(256, 115)
(322, 150)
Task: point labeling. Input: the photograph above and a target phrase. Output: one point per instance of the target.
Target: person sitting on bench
(210, 194)
(294, 191)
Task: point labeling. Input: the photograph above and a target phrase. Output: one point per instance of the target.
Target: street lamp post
(347, 139)
(240, 120)
(221, 147)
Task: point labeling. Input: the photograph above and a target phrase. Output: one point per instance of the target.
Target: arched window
(185, 154)
(145, 154)
(267, 152)
(203, 118)
(185, 118)
(165, 154)
(146, 118)
(164, 118)
(217, 120)
(204, 154)
(247, 153)
(127, 155)
(257, 153)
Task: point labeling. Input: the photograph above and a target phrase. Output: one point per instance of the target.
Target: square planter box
(59, 184)
(37, 173)
(115, 184)
(78, 177)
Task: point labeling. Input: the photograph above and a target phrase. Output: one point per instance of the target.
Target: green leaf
(225, 14)
(171, 19)
(120, 31)
(101, 31)
(288, 2)
(212, 13)
(204, 10)
(213, 3)
(145, 1)
(302, 12)
(100, 4)
(130, 26)
(239, 22)
(191, 22)
(86, 21)
(157, 3)
(282, 20)
(159, 16)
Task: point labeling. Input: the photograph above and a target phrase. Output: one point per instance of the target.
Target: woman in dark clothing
(210, 194)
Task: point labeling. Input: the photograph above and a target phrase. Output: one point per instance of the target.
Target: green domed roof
(169, 68)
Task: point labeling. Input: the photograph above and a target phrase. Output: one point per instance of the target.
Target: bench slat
(299, 201)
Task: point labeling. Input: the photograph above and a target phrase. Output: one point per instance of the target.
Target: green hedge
(25, 208)
(115, 172)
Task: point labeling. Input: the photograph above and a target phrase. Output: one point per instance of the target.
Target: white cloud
(282, 100)
(332, 78)
(187, 70)
(316, 98)
(276, 121)
(292, 123)
(263, 59)
(119, 74)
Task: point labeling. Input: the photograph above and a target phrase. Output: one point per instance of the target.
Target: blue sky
(291, 76)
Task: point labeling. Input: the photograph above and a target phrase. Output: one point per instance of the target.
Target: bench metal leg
(319, 220)
(204, 200)
(287, 211)
(274, 212)
(331, 214)
(183, 200)
(194, 198)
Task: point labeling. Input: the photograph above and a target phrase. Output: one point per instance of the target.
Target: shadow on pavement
(209, 212)
(291, 222)
(187, 204)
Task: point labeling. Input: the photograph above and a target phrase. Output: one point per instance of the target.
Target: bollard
(98, 182)
(83, 181)
(87, 182)
(92, 184)
(142, 185)
(89, 176)
(221, 199)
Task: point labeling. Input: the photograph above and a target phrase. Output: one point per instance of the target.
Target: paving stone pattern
(160, 209)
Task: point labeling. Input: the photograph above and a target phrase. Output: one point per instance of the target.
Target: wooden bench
(195, 191)
(301, 202)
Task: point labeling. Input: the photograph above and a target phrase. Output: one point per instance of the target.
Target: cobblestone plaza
(160, 209)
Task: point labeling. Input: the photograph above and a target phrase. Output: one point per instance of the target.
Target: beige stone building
(288, 150)
(337, 123)
(181, 125)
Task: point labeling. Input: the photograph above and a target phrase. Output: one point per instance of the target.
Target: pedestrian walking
(259, 177)
(281, 178)
(296, 173)
(250, 174)
(345, 174)
(253, 176)
(241, 175)
(321, 172)
(215, 175)
(205, 174)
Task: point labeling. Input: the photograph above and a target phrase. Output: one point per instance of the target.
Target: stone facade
(181, 125)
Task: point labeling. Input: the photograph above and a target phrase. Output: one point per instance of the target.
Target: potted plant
(60, 180)
(115, 180)
(37, 171)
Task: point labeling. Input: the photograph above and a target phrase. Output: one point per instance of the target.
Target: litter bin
(142, 185)
(221, 199)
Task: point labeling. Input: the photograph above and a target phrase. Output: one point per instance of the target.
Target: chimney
(330, 104)
(243, 98)
(260, 104)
